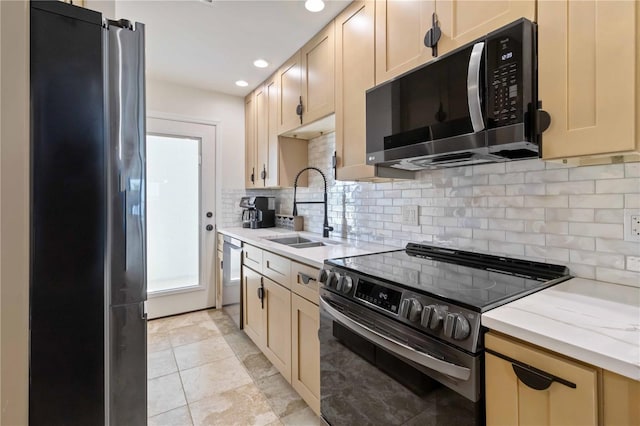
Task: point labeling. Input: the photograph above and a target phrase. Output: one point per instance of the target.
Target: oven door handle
(422, 358)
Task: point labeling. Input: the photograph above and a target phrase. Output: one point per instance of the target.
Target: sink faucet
(325, 227)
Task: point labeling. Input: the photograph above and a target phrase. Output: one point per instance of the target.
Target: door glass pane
(173, 191)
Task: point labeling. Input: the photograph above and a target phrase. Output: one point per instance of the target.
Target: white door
(180, 217)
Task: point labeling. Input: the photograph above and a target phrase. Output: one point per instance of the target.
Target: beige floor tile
(241, 406)
(157, 341)
(224, 323)
(161, 363)
(164, 394)
(241, 344)
(193, 333)
(276, 423)
(304, 417)
(258, 366)
(202, 352)
(177, 321)
(176, 417)
(284, 400)
(209, 379)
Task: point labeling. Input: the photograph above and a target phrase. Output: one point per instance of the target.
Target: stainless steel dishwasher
(232, 279)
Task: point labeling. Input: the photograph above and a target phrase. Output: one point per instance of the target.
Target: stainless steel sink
(300, 242)
(290, 240)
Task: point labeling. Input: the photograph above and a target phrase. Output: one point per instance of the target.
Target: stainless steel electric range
(401, 342)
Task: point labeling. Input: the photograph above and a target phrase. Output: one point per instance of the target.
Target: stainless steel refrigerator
(87, 261)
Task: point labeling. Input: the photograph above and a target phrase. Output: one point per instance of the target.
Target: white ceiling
(211, 45)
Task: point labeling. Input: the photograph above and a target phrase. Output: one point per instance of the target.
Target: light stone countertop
(591, 321)
(312, 256)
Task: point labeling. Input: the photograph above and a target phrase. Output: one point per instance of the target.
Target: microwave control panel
(506, 64)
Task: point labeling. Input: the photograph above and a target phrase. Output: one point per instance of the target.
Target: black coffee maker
(259, 212)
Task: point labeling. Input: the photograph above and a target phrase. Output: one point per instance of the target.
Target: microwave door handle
(399, 348)
(473, 87)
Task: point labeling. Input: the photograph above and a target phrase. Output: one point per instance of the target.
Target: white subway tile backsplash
(604, 230)
(561, 175)
(550, 212)
(632, 170)
(596, 201)
(579, 187)
(618, 276)
(610, 171)
(618, 186)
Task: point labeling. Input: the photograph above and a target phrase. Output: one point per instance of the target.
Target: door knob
(209, 214)
(209, 227)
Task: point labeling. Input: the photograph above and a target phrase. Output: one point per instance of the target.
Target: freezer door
(68, 217)
(126, 135)
(128, 354)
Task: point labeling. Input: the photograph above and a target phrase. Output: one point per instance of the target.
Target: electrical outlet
(632, 225)
(410, 215)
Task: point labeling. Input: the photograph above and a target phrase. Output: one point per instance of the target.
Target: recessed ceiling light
(261, 63)
(314, 5)
(242, 83)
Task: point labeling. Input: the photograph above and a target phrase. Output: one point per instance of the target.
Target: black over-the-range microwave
(476, 104)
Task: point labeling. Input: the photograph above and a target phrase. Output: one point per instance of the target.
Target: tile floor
(204, 371)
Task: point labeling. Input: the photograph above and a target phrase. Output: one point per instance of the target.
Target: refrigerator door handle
(143, 310)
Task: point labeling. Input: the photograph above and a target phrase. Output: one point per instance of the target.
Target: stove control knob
(456, 326)
(323, 275)
(345, 284)
(432, 316)
(411, 309)
(333, 280)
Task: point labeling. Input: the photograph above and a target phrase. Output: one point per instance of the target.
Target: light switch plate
(410, 215)
(632, 224)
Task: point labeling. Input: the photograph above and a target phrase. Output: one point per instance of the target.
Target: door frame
(172, 302)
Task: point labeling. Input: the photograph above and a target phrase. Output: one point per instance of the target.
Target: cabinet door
(277, 317)
(249, 141)
(509, 401)
(290, 91)
(621, 400)
(355, 65)
(588, 76)
(305, 369)
(318, 75)
(272, 92)
(253, 307)
(463, 21)
(262, 135)
(400, 30)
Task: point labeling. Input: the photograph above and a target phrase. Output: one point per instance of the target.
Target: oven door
(376, 371)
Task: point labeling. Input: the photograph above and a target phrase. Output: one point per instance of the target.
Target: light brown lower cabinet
(511, 401)
(621, 400)
(305, 345)
(277, 326)
(253, 318)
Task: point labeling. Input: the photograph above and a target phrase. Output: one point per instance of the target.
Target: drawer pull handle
(531, 376)
(305, 278)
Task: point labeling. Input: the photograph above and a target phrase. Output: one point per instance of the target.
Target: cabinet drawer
(304, 281)
(518, 394)
(252, 257)
(277, 268)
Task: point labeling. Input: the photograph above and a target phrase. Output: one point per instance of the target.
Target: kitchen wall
(530, 209)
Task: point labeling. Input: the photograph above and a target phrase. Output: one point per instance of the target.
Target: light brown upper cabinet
(589, 77)
(262, 135)
(289, 82)
(306, 83)
(272, 160)
(355, 65)
(462, 21)
(402, 25)
(250, 141)
(317, 57)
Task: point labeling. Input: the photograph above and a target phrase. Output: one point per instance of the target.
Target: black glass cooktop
(474, 280)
